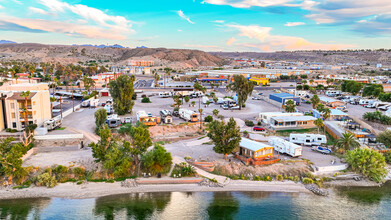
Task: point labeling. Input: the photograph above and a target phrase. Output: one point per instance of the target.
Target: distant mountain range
(7, 42)
(101, 46)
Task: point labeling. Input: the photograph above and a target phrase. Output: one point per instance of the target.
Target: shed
(335, 114)
(283, 97)
(254, 149)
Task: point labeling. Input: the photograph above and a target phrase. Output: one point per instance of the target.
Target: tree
(215, 112)
(326, 113)
(242, 87)
(187, 99)
(88, 83)
(99, 148)
(290, 106)
(320, 108)
(226, 137)
(373, 90)
(351, 86)
(118, 160)
(122, 91)
(315, 101)
(25, 94)
(11, 159)
(100, 119)
(347, 142)
(139, 143)
(157, 160)
(202, 89)
(385, 138)
(319, 123)
(368, 162)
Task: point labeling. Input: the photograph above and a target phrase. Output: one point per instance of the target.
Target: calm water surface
(344, 203)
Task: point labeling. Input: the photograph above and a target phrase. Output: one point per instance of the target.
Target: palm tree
(326, 113)
(73, 100)
(319, 123)
(315, 101)
(80, 73)
(25, 94)
(320, 108)
(31, 70)
(16, 78)
(290, 106)
(347, 142)
(66, 74)
(55, 85)
(202, 89)
(215, 112)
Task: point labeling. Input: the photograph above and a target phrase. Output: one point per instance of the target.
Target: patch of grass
(330, 139)
(61, 129)
(286, 133)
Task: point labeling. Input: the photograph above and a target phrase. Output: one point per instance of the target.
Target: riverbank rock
(129, 183)
(208, 183)
(316, 190)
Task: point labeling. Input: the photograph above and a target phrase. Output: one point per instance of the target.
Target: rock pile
(129, 183)
(316, 190)
(209, 183)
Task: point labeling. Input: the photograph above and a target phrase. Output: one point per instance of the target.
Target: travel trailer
(165, 94)
(205, 100)
(188, 115)
(94, 103)
(113, 121)
(333, 93)
(166, 116)
(308, 139)
(286, 147)
(109, 109)
(53, 123)
(146, 119)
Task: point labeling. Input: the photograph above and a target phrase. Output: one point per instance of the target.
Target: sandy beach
(93, 190)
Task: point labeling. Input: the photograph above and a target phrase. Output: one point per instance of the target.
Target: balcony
(29, 107)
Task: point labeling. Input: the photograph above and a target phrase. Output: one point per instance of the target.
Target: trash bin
(159, 175)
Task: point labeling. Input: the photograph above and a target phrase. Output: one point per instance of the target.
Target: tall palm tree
(347, 142)
(73, 100)
(16, 78)
(80, 73)
(199, 87)
(25, 94)
(319, 123)
(326, 113)
(31, 70)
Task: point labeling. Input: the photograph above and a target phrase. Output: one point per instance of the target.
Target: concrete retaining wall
(331, 169)
(58, 140)
(29, 153)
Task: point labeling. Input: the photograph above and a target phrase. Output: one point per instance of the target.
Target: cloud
(183, 16)
(70, 29)
(330, 11)
(374, 26)
(179, 30)
(231, 41)
(1, 7)
(88, 13)
(38, 10)
(249, 3)
(292, 24)
(203, 47)
(219, 21)
(264, 40)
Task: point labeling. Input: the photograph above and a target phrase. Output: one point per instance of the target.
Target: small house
(335, 114)
(255, 153)
(292, 122)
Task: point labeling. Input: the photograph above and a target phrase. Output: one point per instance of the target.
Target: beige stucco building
(13, 104)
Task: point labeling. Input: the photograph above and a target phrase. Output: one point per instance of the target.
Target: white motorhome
(333, 93)
(371, 104)
(285, 147)
(229, 102)
(188, 115)
(53, 123)
(220, 101)
(205, 100)
(165, 94)
(384, 107)
(113, 121)
(381, 104)
(94, 103)
(308, 139)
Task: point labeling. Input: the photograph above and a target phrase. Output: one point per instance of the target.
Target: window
(293, 138)
(12, 105)
(34, 103)
(13, 115)
(319, 139)
(14, 124)
(304, 122)
(35, 112)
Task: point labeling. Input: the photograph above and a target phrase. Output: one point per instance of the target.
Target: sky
(209, 25)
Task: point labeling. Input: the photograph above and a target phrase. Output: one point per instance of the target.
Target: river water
(343, 203)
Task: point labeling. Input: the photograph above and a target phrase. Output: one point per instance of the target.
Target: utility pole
(61, 105)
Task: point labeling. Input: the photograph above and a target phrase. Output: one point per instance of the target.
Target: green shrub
(279, 178)
(368, 162)
(45, 179)
(387, 156)
(307, 181)
(257, 178)
(310, 175)
(235, 177)
(208, 118)
(249, 123)
(296, 179)
(259, 123)
(145, 100)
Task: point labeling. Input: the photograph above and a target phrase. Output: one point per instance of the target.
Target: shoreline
(95, 190)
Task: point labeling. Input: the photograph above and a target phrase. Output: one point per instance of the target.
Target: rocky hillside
(331, 57)
(175, 58)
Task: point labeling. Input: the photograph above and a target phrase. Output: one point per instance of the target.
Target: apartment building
(13, 105)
